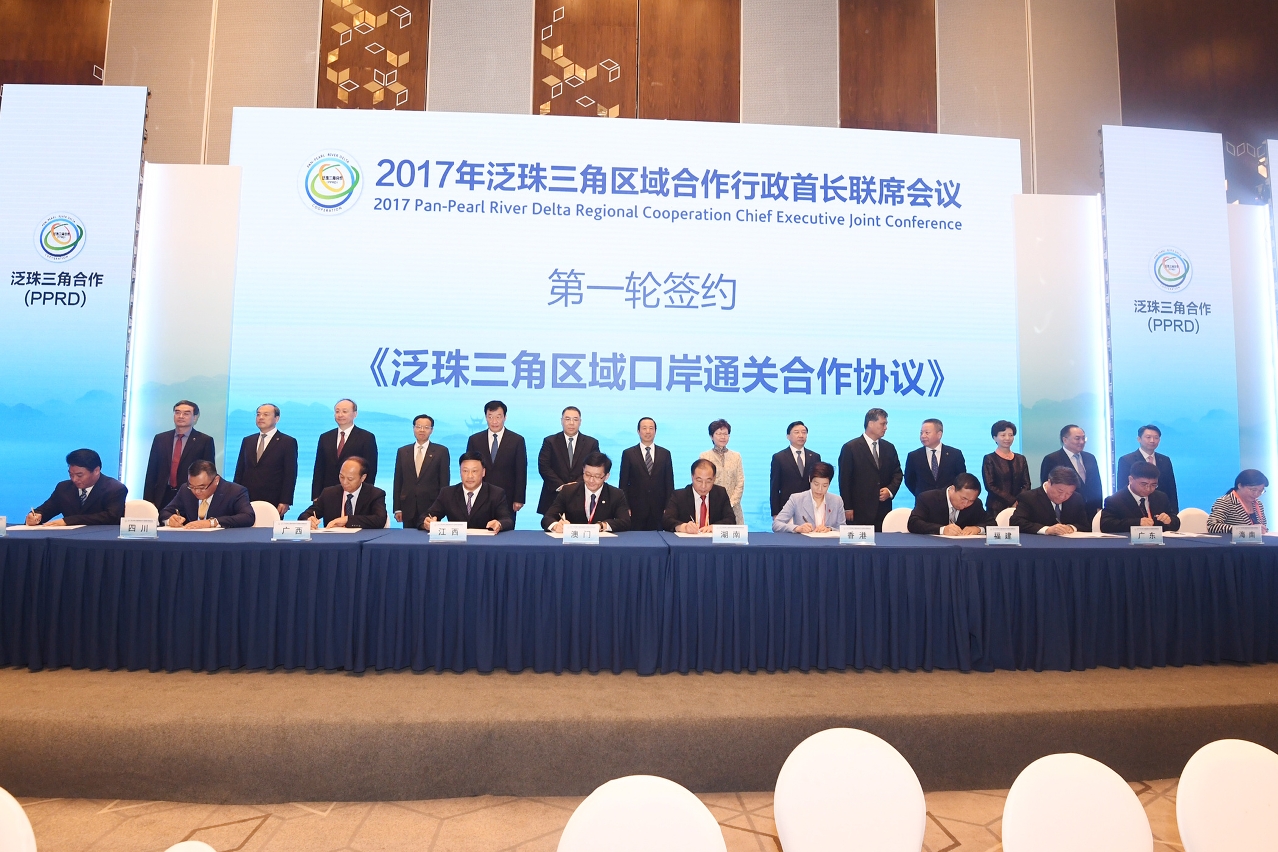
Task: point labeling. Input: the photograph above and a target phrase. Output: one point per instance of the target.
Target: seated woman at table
(1006, 473)
(1241, 506)
(814, 510)
(729, 472)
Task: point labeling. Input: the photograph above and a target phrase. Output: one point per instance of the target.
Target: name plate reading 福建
(1147, 535)
(291, 531)
(138, 528)
(581, 533)
(730, 534)
(1248, 534)
(448, 532)
(1003, 536)
(856, 534)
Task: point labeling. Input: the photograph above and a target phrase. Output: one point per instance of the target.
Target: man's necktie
(953, 515)
(420, 452)
(874, 451)
(492, 455)
(470, 502)
(341, 443)
(705, 512)
(204, 509)
(84, 495)
(261, 446)
(590, 514)
(571, 449)
(177, 457)
(1057, 508)
(936, 468)
(798, 459)
(647, 459)
(1078, 466)
(1143, 510)
(349, 508)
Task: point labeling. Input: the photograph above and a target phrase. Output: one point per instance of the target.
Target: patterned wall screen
(585, 57)
(373, 56)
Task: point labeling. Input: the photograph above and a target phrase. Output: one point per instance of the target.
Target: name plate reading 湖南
(730, 534)
(138, 528)
(1248, 534)
(1003, 536)
(291, 531)
(856, 534)
(1147, 535)
(448, 532)
(581, 533)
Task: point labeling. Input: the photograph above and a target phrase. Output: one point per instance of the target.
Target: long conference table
(645, 601)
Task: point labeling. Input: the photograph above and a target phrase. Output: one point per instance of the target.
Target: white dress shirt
(344, 435)
(585, 503)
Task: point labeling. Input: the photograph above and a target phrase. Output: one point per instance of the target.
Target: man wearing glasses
(207, 501)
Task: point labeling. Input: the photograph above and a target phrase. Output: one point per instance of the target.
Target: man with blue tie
(86, 497)
(934, 465)
(207, 501)
(814, 510)
(353, 502)
(1071, 455)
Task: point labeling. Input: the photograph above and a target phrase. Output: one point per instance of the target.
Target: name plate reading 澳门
(581, 533)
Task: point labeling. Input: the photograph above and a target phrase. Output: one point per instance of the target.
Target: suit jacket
(571, 503)
(918, 469)
(1122, 512)
(681, 507)
(800, 510)
(509, 471)
(786, 479)
(273, 478)
(1166, 476)
(104, 505)
(646, 493)
(931, 512)
(229, 505)
(1091, 490)
(360, 442)
(860, 480)
(198, 446)
(413, 493)
(1034, 511)
(490, 505)
(370, 507)
(552, 464)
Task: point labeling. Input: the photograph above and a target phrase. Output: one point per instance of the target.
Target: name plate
(291, 531)
(1249, 534)
(4, 526)
(1003, 536)
(581, 533)
(1147, 535)
(730, 534)
(138, 528)
(857, 534)
(448, 532)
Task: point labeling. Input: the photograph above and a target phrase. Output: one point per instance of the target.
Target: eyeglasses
(208, 486)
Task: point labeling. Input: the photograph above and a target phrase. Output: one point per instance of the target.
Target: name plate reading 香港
(138, 528)
(1248, 534)
(1147, 535)
(291, 531)
(448, 532)
(730, 534)
(1003, 536)
(581, 533)
(856, 534)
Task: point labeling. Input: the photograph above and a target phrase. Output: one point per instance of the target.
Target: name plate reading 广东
(581, 533)
(1248, 534)
(1147, 535)
(858, 534)
(291, 531)
(1003, 536)
(730, 534)
(138, 528)
(448, 532)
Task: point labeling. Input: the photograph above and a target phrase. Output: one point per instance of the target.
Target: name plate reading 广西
(291, 531)
(1248, 534)
(1147, 535)
(730, 534)
(138, 528)
(448, 532)
(581, 533)
(1003, 536)
(856, 534)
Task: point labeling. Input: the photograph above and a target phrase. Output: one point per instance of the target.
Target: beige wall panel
(790, 62)
(481, 56)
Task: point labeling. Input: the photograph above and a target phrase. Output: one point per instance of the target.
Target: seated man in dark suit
(267, 465)
(480, 505)
(353, 502)
(1149, 437)
(591, 501)
(1072, 455)
(934, 465)
(703, 503)
(955, 511)
(206, 500)
(1054, 508)
(87, 497)
(1140, 504)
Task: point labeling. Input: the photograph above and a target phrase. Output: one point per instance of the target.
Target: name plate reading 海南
(1248, 534)
(138, 528)
(448, 532)
(1003, 536)
(291, 531)
(581, 533)
(1147, 535)
(856, 534)
(730, 534)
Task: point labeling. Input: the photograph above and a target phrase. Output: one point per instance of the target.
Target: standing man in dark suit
(1071, 455)
(505, 456)
(791, 468)
(647, 478)
(1054, 508)
(207, 501)
(591, 501)
(480, 505)
(267, 466)
(934, 465)
(954, 511)
(869, 473)
(421, 471)
(1140, 504)
(337, 445)
(85, 497)
(1149, 437)
(701, 505)
(173, 452)
(353, 502)
(562, 456)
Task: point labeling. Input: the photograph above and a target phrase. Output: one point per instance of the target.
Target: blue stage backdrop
(427, 262)
(1171, 308)
(67, 228)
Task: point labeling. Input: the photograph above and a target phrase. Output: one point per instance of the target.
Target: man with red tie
(337, 445)
(353, 502)
(701, 505)
(172, 454)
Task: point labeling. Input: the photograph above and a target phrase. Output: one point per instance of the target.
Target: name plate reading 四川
(138, 528)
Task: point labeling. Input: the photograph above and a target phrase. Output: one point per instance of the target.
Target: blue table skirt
(513, 601)
(786, 601)
(22, 557)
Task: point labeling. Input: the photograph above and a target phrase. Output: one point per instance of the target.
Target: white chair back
(1096, 522)
(641, 813)
(847, 790)
(1068, 802)
(191, 846)
(897, 520)
(15, 829)
(264, 514)
(389, 517)
(1227, 799)
(1193, 520)
(141, 509)
(1005, 517)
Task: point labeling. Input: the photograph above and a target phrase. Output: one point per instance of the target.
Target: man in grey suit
(421, 472)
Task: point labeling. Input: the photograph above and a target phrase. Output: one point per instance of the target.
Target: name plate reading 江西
(1003, 536)
(1248, 534)
(1147, 535)
(856, 534)
(730, 534)
(448, 532)
(581, 533)
(291, 531)
(138, 528)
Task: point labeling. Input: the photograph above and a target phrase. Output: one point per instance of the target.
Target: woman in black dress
(1006, 473)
